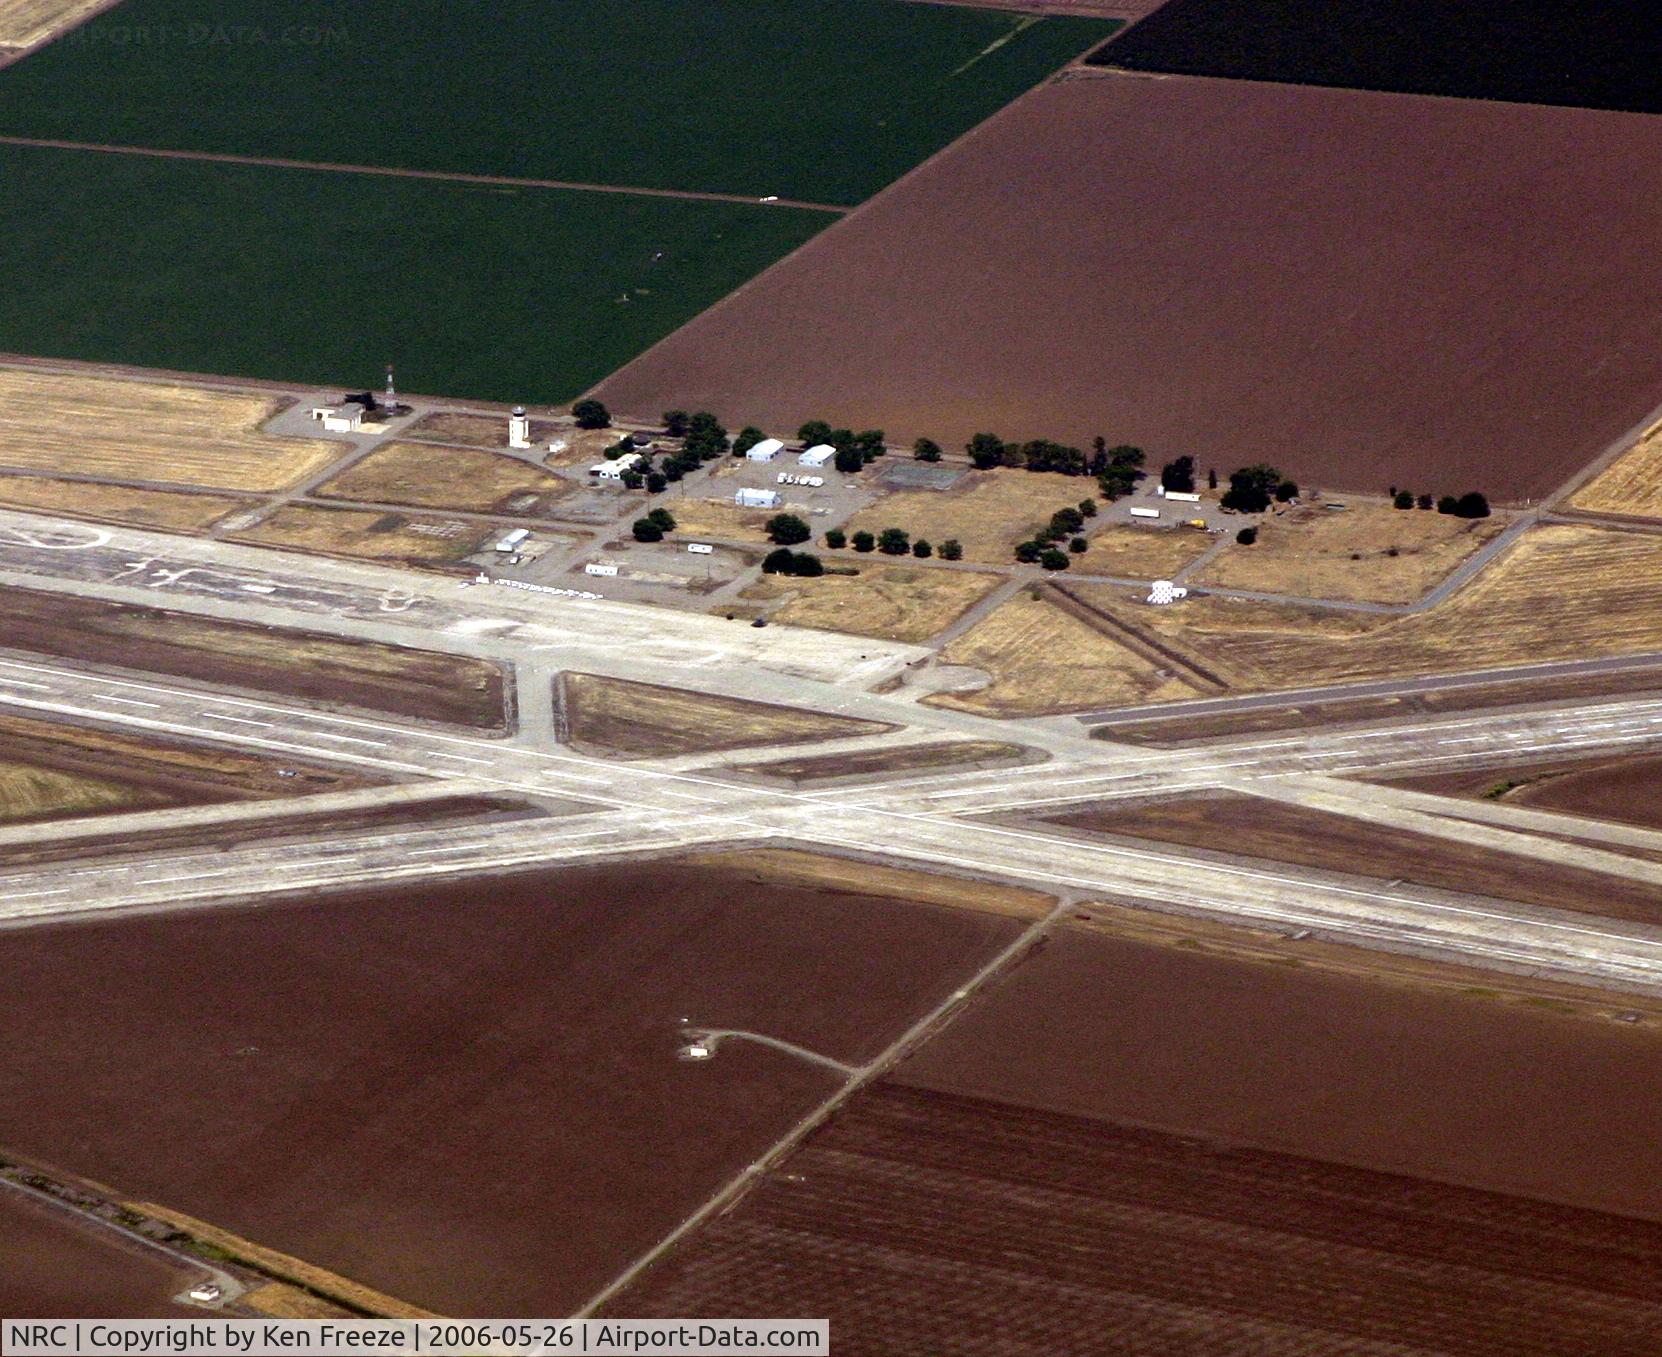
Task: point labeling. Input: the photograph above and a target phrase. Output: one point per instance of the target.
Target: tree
(836, 539)
(894, 541)
(849, 459)
(675, 423)
(1099, 455)
(1424, 502)
(806, 564)
(926, 450)
(787, 530)
(1447, 504)
(646, 530)
(1088, 507)
(1043, 455)
(1029, 552)
(1404, 500)
(1212, 478)
(986, 450)
(1250, 489)
(871, 445)
(673, 470)
(663, 518)
(778, 562)
(632, 480)
(952, 550)
(656, 482)
(1052, 559)
(922, 550)
(1079, 546)
(1179, 475)
(1247, 536)
(864, 541)
(1472, 505)
(1066, 521)
(1286, 492)
(749, 437)
(814, 431)
(591, 414)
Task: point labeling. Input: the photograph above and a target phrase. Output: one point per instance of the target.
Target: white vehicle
(701, 548)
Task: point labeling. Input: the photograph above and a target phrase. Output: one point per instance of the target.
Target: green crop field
(819, 100)
(502, 294)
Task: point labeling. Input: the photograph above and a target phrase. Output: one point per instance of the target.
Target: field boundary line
(431, 176)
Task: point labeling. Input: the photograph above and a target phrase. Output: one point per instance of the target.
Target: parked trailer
(596, 568)
(1145, 513)
(701, 549)
(1187, 496)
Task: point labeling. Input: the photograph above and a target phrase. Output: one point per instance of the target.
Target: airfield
(425, 892)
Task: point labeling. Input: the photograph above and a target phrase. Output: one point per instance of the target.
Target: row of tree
(1472, 504)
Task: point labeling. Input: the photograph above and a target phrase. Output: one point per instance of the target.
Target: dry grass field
(169, 510)
(792, 867)
(478, 431)
(1044, 660)
(1142, 553)
(719, 518)
(368, 534)
(1370, 552)
(447, 478)
(1560, 593)
(988, 511)
(644, 720)
(32, 793)
(896, 603)
(1632, 484)
(25, 23)
(101, 426)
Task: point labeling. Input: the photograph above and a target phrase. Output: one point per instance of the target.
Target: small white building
(766, 450)
(613, 470)
(347, 418)
(757, 499)
(511, 543)
(519, 428)
(818, 455)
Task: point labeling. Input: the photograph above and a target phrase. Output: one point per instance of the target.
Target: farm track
(438, 176)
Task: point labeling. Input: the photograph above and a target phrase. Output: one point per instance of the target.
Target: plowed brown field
(465, 1096)
(52, 1264)
(926, 1223)
(1363, 289)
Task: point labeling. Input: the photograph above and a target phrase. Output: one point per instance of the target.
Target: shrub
(1286, 492)
(952, 550)
(1247, 536)
(657, 482)
(591, 414)
(836, 539)
(646, 530)
(787, 530)
(926, 450)
(922, 550)
(663, 518)
(1423, 502)
(864, 541)
(1052, 559)
(1447, 504)
(1028, 552)
(1088, 507)
(1078, 546)
(632, 480)
(894, 541)
(1471, 505)
(1404, 500)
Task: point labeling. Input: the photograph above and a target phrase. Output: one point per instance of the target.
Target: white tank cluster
(1162, 592)
(786, 478)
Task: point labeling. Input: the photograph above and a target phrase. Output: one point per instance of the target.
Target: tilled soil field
(466, 1096)
(1625, 789)
(1254, 827)
(1363, 289)
(1454, 1078)
(425, 684)
(52, 1265)
(926, 1223)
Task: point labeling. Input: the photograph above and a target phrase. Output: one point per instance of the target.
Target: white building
(766, 450)
(757, 499)
(511, 543)
(339, 419)
(818, 455)
(519, 428)
(613, 470)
